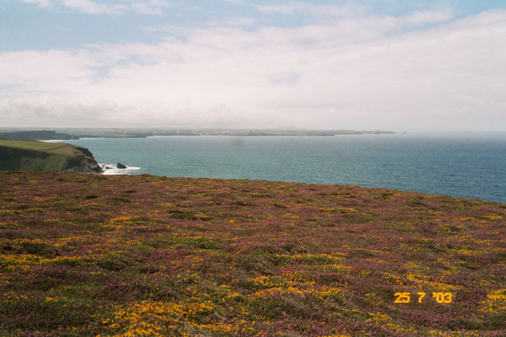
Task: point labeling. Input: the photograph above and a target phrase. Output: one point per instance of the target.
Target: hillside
(18, 155)
(35, 135)
(94, 255)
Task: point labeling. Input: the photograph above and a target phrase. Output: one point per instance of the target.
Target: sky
(391, 65)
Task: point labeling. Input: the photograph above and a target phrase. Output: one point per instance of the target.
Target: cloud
(239, 22)
(183, 32)
(316, 10)
(48, 111)
(149, 7)
(355, 73)
(420, 18)
(41, 3)
(353, 12)
(51, 71)
(236, 2)
(89, 7)
(94, 8)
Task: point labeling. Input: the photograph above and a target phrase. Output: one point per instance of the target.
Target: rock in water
(121, 166)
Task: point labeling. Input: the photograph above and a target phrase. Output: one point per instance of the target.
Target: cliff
(17, 155)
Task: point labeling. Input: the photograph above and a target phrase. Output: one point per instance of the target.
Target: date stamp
(439, 297)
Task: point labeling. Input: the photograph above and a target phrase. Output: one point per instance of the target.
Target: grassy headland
(89, 255)
(21, 155)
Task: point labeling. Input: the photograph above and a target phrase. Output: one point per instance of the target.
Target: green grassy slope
(39, 146)
(19, 155)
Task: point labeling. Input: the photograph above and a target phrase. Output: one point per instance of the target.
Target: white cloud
(149, 7)
(316, 10)
(234, 22)
(41, 3)
(282, 9)
(181, 31)
(95, 8)
(352, 73)
(236, 2)
(90, 7)
(53, 71)
(420, 18)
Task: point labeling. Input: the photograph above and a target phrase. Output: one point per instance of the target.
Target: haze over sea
(470, 165)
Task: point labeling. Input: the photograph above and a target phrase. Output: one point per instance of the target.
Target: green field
(24, 155)
(61, 148)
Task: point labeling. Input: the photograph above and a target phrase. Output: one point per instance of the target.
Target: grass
(89, 255)
(39, 146)
(28, 155)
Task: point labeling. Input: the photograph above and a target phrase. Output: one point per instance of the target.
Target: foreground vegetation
(91, 255)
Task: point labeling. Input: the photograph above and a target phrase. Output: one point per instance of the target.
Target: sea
(469, 165)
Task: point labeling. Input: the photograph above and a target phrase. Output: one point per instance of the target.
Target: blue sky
(372, 64)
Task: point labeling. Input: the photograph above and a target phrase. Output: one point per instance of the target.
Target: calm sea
(461, 165)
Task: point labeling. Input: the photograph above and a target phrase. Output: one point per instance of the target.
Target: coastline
(111, 169)
(461, 165)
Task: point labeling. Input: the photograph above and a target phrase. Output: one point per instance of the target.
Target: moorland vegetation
(93, 255)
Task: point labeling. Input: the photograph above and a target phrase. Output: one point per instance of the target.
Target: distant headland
(74, 134)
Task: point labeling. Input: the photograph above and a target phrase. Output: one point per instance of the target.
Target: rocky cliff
(48, 157)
